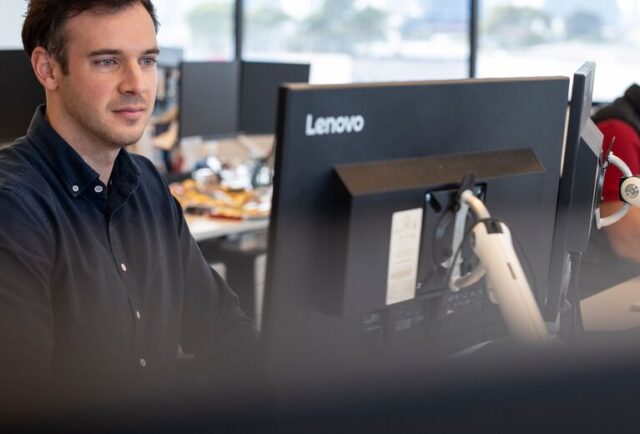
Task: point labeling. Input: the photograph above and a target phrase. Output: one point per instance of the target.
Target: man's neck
(100, 162)
(99, 157)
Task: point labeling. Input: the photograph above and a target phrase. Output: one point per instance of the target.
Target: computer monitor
(398, 141)
(20, 94)
(169, 60)
(170, 57)
(578, 197)
(208, 105)
(259, 84)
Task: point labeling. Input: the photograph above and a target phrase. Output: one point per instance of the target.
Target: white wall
(11, 18)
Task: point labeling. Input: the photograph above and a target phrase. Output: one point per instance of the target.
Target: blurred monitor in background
(208, 106)
(259, 83)
(20, 94)
(169, 61)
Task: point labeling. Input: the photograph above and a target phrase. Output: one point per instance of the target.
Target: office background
(366, 40)
(377, 40)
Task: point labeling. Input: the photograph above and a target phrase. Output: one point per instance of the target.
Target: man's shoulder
(22, 188)
(144, 164)
(153, 182)
(17, 171)
(149, 172)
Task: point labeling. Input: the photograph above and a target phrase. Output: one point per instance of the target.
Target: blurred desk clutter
(230, 178)
(226, 197)
(205, 195)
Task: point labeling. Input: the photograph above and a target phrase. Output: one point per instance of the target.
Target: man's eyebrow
(112, 52)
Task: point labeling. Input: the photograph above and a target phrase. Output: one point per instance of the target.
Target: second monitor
(219, 99)
(259, 84)
(208, 99)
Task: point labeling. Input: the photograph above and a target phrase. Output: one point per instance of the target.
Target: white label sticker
(404, 250)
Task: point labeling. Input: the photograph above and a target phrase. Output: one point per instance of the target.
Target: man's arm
(214, 327)
(26, 317)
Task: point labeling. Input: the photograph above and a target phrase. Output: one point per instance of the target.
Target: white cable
(469, 279)
(616, 216)
(457, 282)
(620, 164)
(613, 218)
(476, 205)
(505, 276)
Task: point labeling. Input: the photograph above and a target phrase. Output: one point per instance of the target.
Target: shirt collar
(74, 172)
(125, 179)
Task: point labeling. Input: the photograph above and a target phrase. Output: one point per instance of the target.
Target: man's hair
(45, 20)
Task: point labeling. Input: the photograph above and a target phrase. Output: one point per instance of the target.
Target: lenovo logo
(333, 125)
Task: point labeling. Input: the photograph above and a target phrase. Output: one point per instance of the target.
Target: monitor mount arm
(629, 193)
(507, 283)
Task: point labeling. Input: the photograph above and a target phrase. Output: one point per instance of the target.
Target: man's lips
(130, 109)
(130, 112)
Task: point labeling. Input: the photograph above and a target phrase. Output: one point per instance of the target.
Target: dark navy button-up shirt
(99, 283)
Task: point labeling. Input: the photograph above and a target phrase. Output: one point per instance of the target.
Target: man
(614, 252)
(100, 279)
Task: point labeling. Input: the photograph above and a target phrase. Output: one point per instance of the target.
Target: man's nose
(133, 79)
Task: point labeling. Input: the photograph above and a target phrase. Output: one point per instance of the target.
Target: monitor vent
(407, 174)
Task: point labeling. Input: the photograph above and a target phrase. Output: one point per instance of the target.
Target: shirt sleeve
(627, 147)
(26, 315)
(214, 327)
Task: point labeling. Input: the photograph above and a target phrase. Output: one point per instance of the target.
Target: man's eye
(148, 61)
(106, 62)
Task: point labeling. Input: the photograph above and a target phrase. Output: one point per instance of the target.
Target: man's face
(110, 89)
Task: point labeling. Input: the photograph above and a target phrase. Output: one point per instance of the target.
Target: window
(362, 40)
(202, 28)
(544, 37)
(380, 40)
(11, 20)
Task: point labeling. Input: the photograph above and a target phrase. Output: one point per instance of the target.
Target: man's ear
(46, 68)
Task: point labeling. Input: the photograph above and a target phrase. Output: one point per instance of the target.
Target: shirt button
(138, 314)
(143, 363)
(98, 189)
(75, 188)
(124, 267)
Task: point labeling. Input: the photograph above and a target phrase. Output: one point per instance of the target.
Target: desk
(610, 310)
(205, 228)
